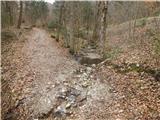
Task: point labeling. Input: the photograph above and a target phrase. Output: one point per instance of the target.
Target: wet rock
(78, 76)
(93, 65)
(64, 90)
(82, 97)
(71, 99)
(63, 93)
(53, 36)
(91, 58)
(84, 74)
(89, 69)
(68, 105)
(85, 79)
(75, 92)
(85, 84)
(91, 76)
(60, 111)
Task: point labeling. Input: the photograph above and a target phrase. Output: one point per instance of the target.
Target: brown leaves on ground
(135, 96)
(13, 63)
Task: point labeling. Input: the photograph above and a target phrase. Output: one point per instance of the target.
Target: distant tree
(36, 10)
(96, 25)
(8, 13)
(87, 15)
(20, 15)
(99, 33)
(103, 25)
(60, 24)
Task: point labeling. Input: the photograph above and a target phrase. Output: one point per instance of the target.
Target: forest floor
(41, 80)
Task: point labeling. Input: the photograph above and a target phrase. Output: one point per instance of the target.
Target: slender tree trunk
(94, 39)
(135, 20)
(70, 29)
(10, 16)
(10, 22)
(20, 15)
(73, 26)
(103, 26)
(88, 28)
(64, 23)
(60, 20)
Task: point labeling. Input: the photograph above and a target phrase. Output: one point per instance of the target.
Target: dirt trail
(51, 66)
(61, 88)
(55, 75)
(45, 82)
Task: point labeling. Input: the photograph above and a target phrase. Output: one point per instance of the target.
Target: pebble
(93, 65)
(85, 84)
(91, 76)
(81, 98)
(60, 111)
(71, 99)
(68, 105)
(64, 90)
(89, 69)
(75, 92)
(85, 74)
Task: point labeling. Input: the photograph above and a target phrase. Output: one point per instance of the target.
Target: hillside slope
(139, 45)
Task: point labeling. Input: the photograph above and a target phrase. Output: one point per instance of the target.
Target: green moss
(112, 54)
(52, 24)
(141, 22)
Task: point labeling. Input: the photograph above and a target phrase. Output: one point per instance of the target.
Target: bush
(52, 24)
(141, 22)
(157, 45)
(112, 53)
(156, 42)
(82, 33)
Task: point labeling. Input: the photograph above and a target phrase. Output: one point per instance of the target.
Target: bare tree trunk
(8, 7)
(20, 15)
(96, 25)
(74, 27)
(103, 26)
(135, 20)
(64, 23)
(71, 29)
(60, 21)
(10, 16)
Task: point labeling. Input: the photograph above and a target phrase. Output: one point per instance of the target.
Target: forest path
(51, 66)
(59, 82)
(46, 82)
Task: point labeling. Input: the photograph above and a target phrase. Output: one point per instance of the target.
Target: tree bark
(60, 20)
(103, 26)
(8, 7)
(20, 15)
(94, 39)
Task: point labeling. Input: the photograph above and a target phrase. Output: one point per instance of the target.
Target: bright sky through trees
(50, 1)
